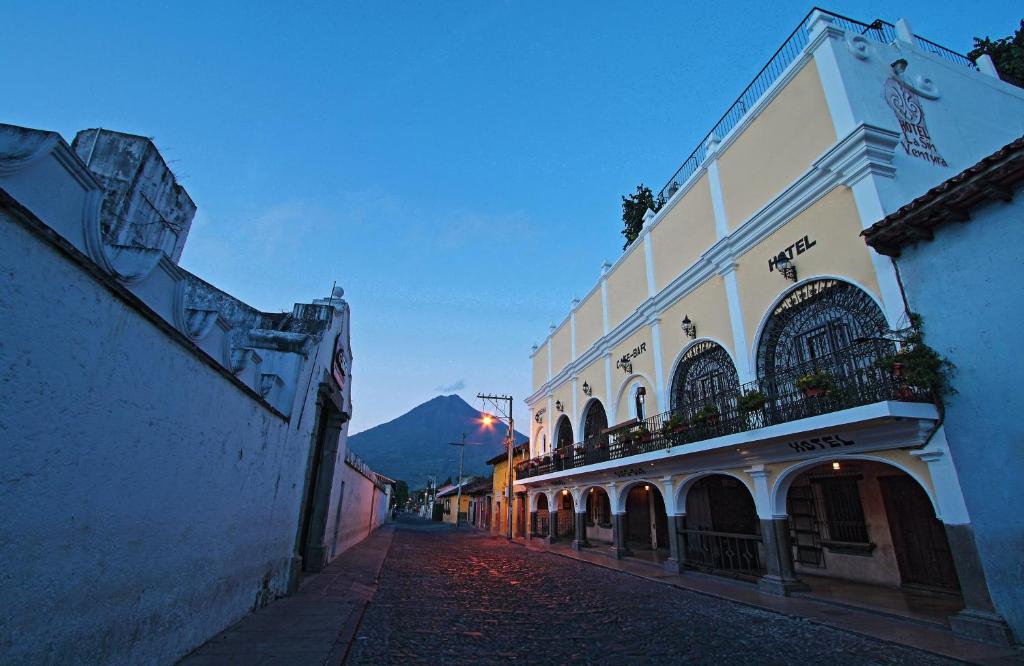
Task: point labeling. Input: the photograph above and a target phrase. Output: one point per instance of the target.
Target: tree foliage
(634, 207)
(401, 493)
(1007, 54)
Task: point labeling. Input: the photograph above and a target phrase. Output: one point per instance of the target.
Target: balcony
(854, 377)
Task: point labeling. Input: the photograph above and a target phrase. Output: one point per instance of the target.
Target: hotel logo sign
(626, 362)
(906, 104)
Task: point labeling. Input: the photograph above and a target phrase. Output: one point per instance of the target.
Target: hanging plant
(815, 383)
(751, 402)
(918, 365)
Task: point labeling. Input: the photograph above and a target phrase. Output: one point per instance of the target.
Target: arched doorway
(563, 444)
(722, 532)
(542, 520)
(646, 521)
(869, 522)
(595, 439)
(563, 518)
(599, 516)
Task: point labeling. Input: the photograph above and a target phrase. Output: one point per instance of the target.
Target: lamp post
(458, 498)
(500, 402)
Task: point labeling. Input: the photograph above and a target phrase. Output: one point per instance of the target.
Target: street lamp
(785, 266)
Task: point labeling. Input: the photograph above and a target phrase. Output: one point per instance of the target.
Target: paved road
(448, 597)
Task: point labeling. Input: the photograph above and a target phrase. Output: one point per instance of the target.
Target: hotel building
(719, 401)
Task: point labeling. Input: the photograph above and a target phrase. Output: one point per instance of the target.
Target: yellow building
(721, 398)
(449, 498)
(499, 513)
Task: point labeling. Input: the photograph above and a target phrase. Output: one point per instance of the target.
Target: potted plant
(814, 384)
(916, 365)
(751, 402)
(673, 425)
(708, 415)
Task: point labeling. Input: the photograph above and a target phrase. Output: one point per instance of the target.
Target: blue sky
(455, 166)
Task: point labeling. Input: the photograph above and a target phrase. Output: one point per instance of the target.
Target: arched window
(639, 393)
(704, 373)
(564, 434)
(814, 321)
(595, 421)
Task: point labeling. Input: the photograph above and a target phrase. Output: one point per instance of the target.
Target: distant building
(454, 505)
(959, 250)
(719, 399)
(169, 450)
(499, 492)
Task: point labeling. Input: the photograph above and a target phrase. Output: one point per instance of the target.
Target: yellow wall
(561, 348)
(627, 286)
(833, 224)
(540, 366)
(706, 308)
(685, 233)
(642, 365)
(589, 322)
(449, 516)
(593, 374)
(778, 146)
(499, 484)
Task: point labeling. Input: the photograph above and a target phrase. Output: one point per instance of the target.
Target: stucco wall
(154, 501)
(363, 509)
(968, 284)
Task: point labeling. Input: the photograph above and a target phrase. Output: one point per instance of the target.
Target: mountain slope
(415, 444)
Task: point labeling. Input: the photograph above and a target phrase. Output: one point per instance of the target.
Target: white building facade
(173, 458)
(719, 400)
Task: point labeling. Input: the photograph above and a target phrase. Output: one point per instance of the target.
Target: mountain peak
(416, 444)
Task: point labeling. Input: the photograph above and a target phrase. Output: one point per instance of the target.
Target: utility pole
(500, 402)
(462, 455)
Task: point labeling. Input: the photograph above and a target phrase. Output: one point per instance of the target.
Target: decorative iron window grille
(815, 321)
(563, 437)
(704, 374)
(841, 507)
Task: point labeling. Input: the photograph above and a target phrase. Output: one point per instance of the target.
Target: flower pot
(711, 420)
(814, 391)
(904, 393)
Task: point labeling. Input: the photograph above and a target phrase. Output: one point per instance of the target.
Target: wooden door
(919, 539)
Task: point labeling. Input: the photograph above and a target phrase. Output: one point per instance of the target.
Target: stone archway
(541, 516)
(598, 515)
(722, 533)
(646, 521)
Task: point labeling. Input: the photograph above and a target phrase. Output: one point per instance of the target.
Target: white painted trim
(604, 305)
(629, 485)
(583, 414)
(652, 288)
(717, 200)
(949, 498)
(822, 45)
(659, 370)
(610, 407)
(741, 356)
(870, 209)
(626, 384)
(683, 486)
(574, 385)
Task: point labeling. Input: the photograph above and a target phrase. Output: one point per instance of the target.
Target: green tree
(1007, 54)
(634, 208)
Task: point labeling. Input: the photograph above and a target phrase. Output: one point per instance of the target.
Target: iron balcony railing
(855, 376)
(878, 31)
(723, 552)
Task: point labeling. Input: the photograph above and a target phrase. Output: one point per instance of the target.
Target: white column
(573, 417)
(871, 210)
(604, 297)
(550, 420)
(649, 254)
(670, 498)
(762, 495)
(822, 43)
(715, 185)
(551, 335)
(739, 332)
(659, 371)
(951, 510)
(572, 329)
(609, 404)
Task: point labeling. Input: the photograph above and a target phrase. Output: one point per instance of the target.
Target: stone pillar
(580, 541)
(979, 619)
(677, 551)
(780, 578)
(533, 525)
(619, 549)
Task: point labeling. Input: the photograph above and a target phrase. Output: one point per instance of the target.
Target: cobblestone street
(462, 597)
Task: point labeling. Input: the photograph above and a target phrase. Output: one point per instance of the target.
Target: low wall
(364, 507)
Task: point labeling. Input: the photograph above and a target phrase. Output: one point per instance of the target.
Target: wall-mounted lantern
(785, 266)
(689, 328)
(558, 406)
(587, 390)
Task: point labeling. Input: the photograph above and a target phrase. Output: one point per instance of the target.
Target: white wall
(363, 509)
(146, 500)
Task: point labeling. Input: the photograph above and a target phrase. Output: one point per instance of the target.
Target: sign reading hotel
(799, 247)
(905, 103)
(626, 362)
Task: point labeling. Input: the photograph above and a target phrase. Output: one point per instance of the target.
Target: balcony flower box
(815, 384)
(707, 416)
(674, 426)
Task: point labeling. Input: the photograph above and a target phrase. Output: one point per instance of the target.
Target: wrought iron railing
(855, 377)
(878, 31)
(723, 552)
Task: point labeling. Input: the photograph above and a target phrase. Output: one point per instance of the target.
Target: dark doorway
(722, 532)
(646, 520)
(307, 536)
(919, 539)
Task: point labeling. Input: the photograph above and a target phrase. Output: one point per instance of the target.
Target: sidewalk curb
(347, 636)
